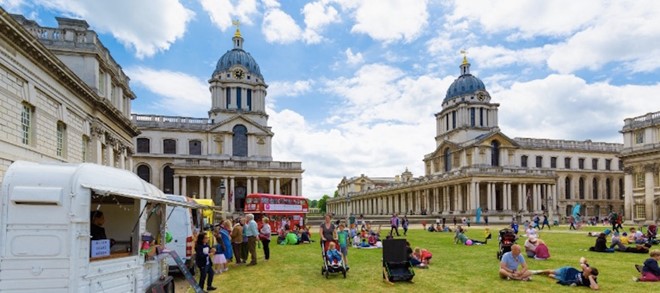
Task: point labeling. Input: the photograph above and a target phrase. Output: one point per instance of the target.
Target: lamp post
(219, 195)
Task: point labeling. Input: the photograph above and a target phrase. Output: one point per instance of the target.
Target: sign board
(283, 207)
(100, 248)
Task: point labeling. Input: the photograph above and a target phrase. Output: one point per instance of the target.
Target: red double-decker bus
(277, 207)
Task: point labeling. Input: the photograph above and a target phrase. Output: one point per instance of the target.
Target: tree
(322, 203)
(313, 203)
(336, 193)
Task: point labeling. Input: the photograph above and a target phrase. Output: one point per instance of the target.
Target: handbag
(264, 236)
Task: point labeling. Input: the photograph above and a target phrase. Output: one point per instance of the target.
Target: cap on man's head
(532, 238)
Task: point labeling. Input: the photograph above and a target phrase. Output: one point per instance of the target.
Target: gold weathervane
(464, 52)
(237, 24)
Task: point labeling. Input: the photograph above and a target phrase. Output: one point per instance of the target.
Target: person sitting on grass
(333, 255)
(291, 239)
(573, 277)
(601, 244)
(650, 271)
(509, 265)
(530, 246)
(422, 255)
(462, 239)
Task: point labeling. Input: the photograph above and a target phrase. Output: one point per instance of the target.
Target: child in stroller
(333, 260)
(506, 239)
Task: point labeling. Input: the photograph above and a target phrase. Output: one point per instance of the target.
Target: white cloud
(288, 89)
(567, 107)
(11, 5)
(488, 57)
(353, 59)
(318, 14)
(182, 94)
(147, 26)
(389, 21)
(279, 27)
(222, 12)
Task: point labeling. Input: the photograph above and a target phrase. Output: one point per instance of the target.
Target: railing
(230, 164)
(143, 120)
(645, 120)
(587, 145)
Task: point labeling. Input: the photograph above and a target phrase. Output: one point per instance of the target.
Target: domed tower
(237, 86)
(466, 110)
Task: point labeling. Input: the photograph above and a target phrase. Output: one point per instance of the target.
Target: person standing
(394, 222)
(545, 222)
(203, 262)
(236, 241)
(571, 221)
(327, 230)
(252, 232)
(405, 225)
(265, 237)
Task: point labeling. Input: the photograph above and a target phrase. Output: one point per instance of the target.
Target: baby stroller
(651, 233)
(328, 267)
(506, 239)
(396, 266)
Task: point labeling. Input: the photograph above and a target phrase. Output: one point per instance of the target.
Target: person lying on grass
(462, 239)
(509, 265)
(573, 277)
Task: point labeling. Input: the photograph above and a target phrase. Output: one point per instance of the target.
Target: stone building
(62, 96)
(225, 156)
(475, 166)
(641, 156)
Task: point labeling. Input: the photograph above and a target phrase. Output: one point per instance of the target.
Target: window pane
(240, 141)
(169, 146)
(143, 145)
(195, 147)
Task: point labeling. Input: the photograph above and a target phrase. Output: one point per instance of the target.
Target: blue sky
(353, 85)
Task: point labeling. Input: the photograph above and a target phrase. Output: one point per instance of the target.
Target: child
(219, 260)
(650, 271)
(342, 236)
(356, 241)
(333, 255)
(422, 255)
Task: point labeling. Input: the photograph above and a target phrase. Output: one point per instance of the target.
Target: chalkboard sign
(100, 247)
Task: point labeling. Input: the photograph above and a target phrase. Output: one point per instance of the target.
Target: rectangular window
(523, 161)
(26, 123)
(581, 163)
(640, 211)
(539, 161)
(228, 97)
(639, 137)
(594, 164)
(608, 164)
(239, 98)
(85, 148)
(567, 163)
(143, 145)
(61, 138)
(195, 147)
(101, 83)
(169, 146)
(639, 180)
(453, 119)
(481, 116)
(472, 117)
(553, 162)
(249, 99)
(447, 121)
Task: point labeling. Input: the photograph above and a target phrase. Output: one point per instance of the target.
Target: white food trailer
(45, 238)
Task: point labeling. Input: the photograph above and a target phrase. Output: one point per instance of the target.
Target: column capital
(650, 168)
(629, 170)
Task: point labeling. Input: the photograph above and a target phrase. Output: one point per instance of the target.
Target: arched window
(594, 187)
(169, 146)
(608, 188)
(168, 180)
(495, 153)
(240, 141)
(195, 147)
(143, 145)
(581, 188)
(568, 188)
(144, 172)
(447, 160)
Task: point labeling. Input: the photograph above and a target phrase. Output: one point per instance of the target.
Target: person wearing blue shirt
(251, 231)
(509, 265)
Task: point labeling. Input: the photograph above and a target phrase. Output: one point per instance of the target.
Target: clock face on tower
(238, 74)
(481, 96)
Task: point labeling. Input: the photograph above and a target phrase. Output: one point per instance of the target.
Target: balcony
(158, 121)
(236, 165)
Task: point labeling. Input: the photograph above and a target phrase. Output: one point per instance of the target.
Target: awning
(105, 191)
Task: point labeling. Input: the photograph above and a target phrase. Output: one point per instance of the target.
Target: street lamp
(219, 195)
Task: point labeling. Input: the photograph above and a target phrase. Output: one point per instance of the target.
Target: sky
(354, 85)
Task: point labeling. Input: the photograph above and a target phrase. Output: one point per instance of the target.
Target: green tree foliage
(322, 203)
(313, 203)
(336, 193)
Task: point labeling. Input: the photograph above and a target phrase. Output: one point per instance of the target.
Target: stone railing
(230, 164)
(642, 121)
(158, 121)
(560, 144)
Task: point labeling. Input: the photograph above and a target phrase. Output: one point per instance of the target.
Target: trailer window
(112, 222)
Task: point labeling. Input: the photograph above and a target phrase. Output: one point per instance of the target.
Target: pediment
(228, 124)
(487, 139)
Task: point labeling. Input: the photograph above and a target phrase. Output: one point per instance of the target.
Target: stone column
(201, 187)
(255, 185)
(649, 193)
(489, 197)
(184, 184)
(459, 194)
(300, 186)
(271, 186)
(209, 192)
(248, 185)
(277, 186)
(232, 194)
(294, 185)
(176, 185)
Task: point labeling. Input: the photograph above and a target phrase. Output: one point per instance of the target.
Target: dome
(238, 56)
(464, 84)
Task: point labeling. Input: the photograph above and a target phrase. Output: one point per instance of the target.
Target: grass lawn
(454, 268)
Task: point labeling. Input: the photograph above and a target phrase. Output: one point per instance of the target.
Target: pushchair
(329, 267)
(506, 239)
(651, 234)
(396, 266)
